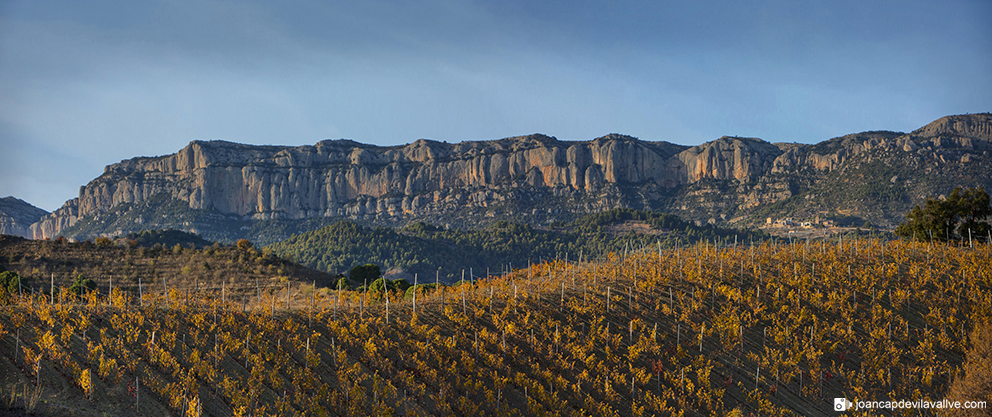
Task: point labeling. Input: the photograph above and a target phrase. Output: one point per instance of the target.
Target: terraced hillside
(132, 267)
(701, 330)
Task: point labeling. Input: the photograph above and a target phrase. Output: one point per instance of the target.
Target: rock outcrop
(52, 224)
(16, 216)
(342, 178)
(335, 178)
(729, 158)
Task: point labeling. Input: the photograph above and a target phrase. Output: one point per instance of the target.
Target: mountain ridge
(534, 178)
(17, 216)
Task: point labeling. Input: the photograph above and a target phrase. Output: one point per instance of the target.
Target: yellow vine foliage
(767, 329)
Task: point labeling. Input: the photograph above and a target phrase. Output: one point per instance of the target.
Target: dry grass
(975, 381)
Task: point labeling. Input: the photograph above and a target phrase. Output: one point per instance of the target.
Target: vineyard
(765, 329)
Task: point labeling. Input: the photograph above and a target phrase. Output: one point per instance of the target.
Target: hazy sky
(84, 84)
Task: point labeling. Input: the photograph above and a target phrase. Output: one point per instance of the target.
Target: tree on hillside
(362, 272)
(244, 245)
(974, 208)
(939, 218)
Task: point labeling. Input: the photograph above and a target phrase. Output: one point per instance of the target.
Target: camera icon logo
(842, 404)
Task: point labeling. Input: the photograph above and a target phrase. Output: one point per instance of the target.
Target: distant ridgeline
(227, 191)
(430, 250)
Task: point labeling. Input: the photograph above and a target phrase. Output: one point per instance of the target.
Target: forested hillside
(426, 249)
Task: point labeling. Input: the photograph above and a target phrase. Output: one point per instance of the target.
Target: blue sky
(87, 84)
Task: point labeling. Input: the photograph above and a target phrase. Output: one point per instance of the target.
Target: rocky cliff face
(345, 178)
(516, 176)
(729, 158)
(16, 216)
(52, 224)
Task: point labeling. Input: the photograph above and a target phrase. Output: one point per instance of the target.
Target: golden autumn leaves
(768, 328)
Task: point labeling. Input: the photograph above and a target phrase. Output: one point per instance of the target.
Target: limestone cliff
(52, 224)
(517, 177)
(729, 158)
(345, 178)
(16, 216)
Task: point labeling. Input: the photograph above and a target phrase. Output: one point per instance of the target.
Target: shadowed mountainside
(17, 216)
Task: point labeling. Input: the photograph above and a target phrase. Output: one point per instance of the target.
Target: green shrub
(420, 289)
(9, 284)
(381, 284)
(82, 283)
(401, 284)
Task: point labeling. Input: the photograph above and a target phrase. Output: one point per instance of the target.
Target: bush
(401, 284)
(342, 284)
(10, 284)
(82, 283)
(381, 284)
(420, 289)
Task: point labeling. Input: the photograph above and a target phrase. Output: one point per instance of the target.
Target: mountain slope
(17, 216)
(889, 173)
(227, 191)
